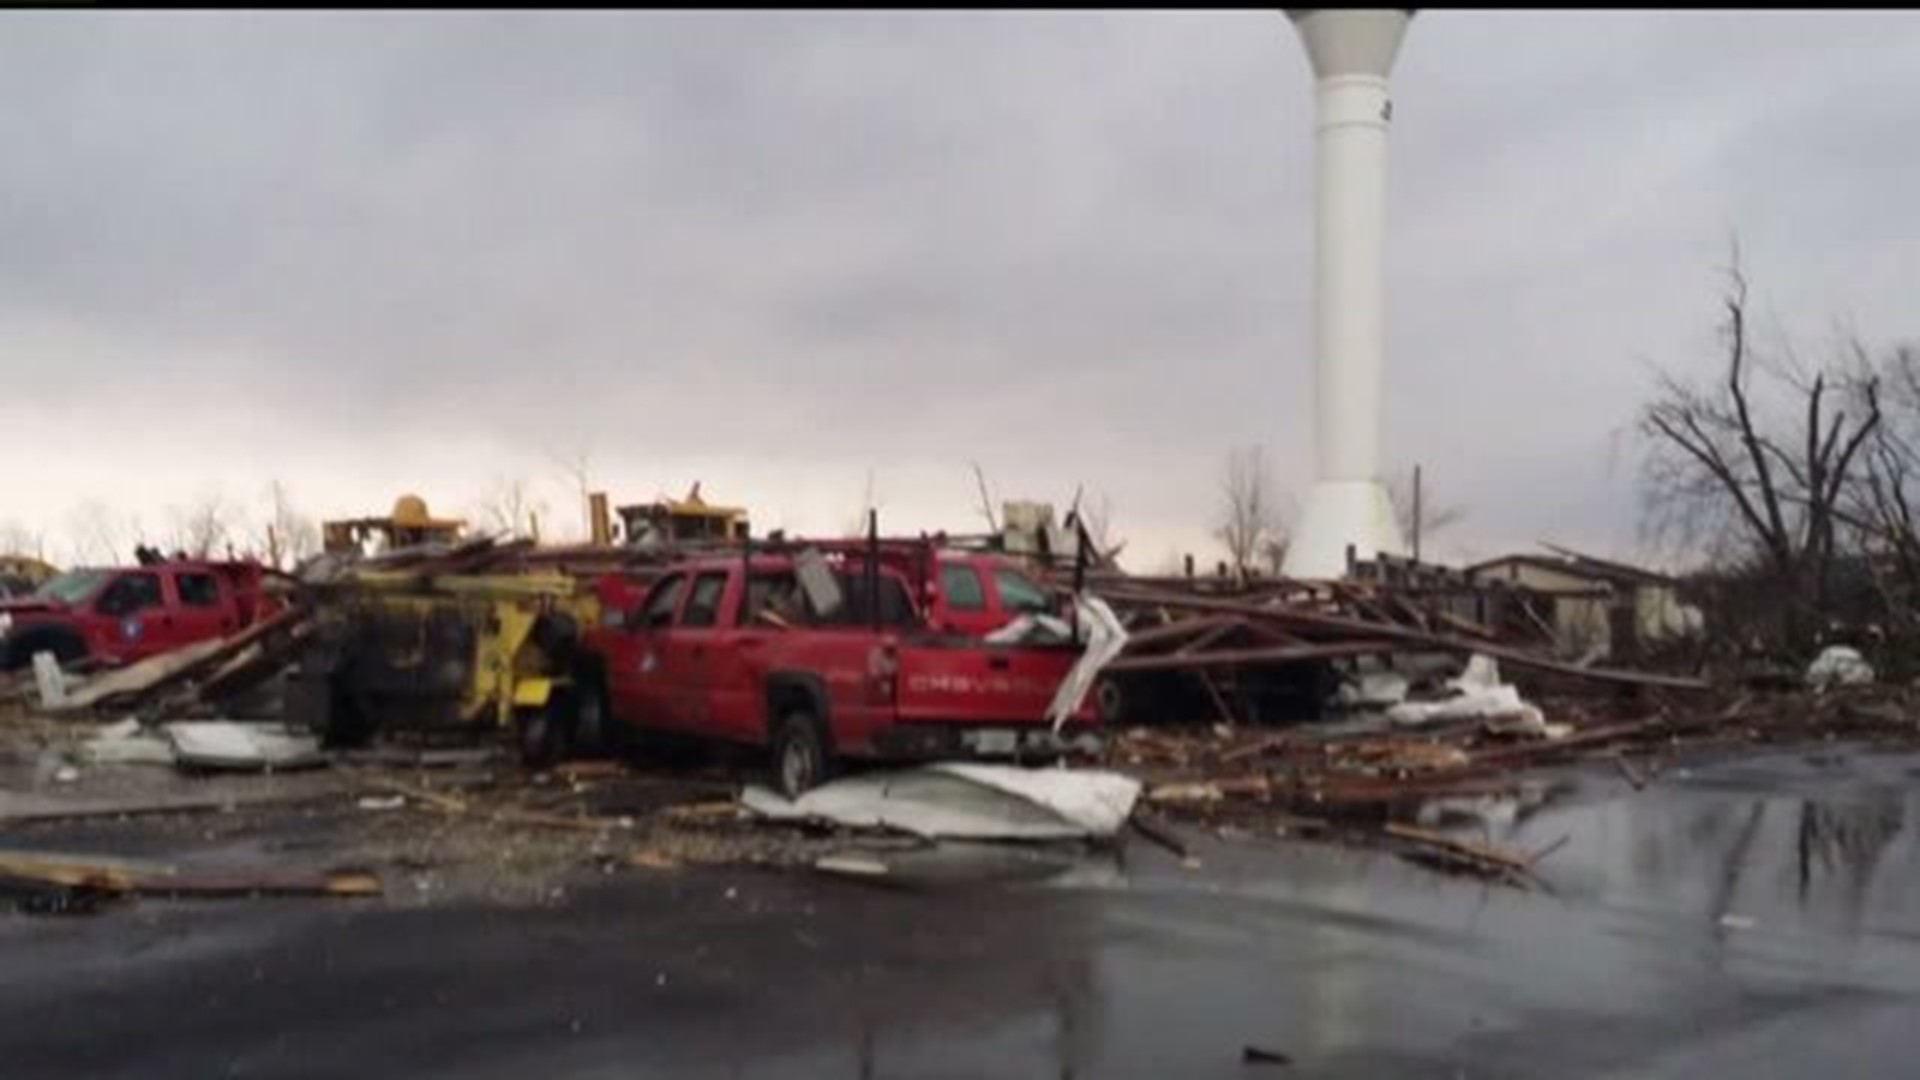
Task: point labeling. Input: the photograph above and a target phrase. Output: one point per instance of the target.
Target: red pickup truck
(113, 616)
(732, 648)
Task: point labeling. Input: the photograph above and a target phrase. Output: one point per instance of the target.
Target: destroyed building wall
(1583, 619)
(1600, 610)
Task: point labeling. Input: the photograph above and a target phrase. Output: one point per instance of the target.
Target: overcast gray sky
(364, 253)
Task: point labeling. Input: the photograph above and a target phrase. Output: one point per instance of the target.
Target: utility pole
(1416, 513)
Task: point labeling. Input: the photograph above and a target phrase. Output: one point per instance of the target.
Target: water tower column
(1352, 53)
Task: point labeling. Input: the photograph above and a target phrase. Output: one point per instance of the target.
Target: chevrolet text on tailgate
(818, 657)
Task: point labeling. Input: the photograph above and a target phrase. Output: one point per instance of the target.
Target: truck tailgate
(962, 681)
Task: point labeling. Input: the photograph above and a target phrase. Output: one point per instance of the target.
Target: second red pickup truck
(113, 616)
(733, 648)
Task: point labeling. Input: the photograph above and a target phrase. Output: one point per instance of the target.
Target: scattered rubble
(40, 882)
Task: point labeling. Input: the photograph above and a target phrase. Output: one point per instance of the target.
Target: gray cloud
(1075, 246)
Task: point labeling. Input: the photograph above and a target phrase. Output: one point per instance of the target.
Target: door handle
(999, 663)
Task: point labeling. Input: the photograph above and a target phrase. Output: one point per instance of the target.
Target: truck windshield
(72, 586)
(1019, 594)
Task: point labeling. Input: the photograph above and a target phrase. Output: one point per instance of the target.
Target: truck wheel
(595, 731)
(542, 732)
(802, 759)
(65, 647)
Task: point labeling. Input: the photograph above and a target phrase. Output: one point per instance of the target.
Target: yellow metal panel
(532, 692)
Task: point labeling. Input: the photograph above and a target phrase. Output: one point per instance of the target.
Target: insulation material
(1838, 665)
(223, 744)
(966, 801)
(1479, 695)
(1106, 639)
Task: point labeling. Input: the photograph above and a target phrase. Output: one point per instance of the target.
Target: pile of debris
(1216, 633)
(182, 682)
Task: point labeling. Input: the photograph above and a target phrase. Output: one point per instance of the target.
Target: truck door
(688, 652)
(203, 606)
(963, 603)
(137, 621)
(635, 679)
(737, 665)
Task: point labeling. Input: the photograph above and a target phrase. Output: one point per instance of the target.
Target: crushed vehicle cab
(816, 658)
(115, 616)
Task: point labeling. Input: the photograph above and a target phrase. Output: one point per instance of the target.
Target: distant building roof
(1575, 564)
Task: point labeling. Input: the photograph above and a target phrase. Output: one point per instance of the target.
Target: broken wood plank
(1159, 832)
(1255, 749)
(1234, 657)
(1627, 770)
(1232, 625)
(1360, 628)
(1219, 700)
(121, 879)
(1177, 630)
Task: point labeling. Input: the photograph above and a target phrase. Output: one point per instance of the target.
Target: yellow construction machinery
(409, 525)
(21, 574)
(672, 522)
(405, 651)
(420, 640)
(429, 644)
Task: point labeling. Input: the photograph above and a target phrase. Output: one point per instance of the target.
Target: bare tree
(288, 537)
(1765, 463)
(201, 528)
(576, 462)
(1883, 507)
(510, 509)
(1432, 517)
(17, 539)
(1249, 525)
(94, 534)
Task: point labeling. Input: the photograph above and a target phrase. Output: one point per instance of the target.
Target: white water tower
(1351, 51)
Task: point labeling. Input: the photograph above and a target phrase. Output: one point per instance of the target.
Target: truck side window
(769, 594)
(1018, 593)
(198, 590)
(961, 584)
(131, 593)
(665, 598)
(703, 607)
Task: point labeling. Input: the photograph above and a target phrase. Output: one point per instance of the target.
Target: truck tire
(595, 730)
(542, 731)
(65, 645)
(802, 753)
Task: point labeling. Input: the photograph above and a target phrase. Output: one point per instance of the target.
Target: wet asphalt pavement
(1755, 918)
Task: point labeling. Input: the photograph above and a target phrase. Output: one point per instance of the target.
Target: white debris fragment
(1106, 639)
(1478, 694)
(126, 742)
(223, 744)
(49, 680)
(1839, 665)
(967, 801)
(1373, 690)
